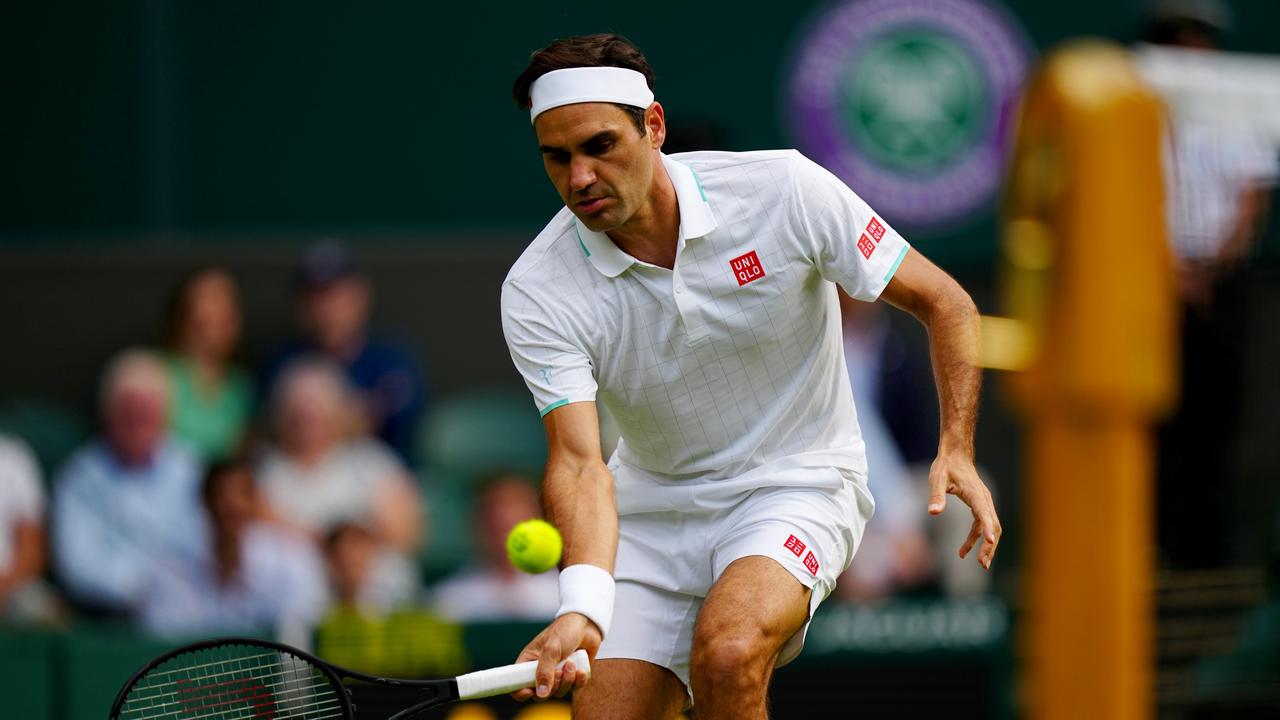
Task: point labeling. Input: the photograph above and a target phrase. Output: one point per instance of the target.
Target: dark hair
(179, 302)
(598, 50)
(218, 471)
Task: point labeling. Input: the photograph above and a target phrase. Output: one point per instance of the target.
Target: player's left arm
(935, 299)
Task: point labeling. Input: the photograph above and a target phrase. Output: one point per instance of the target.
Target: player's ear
(655, 122)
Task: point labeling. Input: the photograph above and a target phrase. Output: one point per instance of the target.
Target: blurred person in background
(325, 471)
(212, 398)
(334, 302)
(126, 505)
(492, 589)
(1219, 177)
(361, 578)
(250, 575)
(896, 555)
(23, 596)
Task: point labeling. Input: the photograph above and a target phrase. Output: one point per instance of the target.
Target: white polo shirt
(726, 373)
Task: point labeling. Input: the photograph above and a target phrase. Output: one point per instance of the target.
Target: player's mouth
(591, 205)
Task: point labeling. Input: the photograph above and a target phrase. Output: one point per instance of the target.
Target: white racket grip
(509, 678)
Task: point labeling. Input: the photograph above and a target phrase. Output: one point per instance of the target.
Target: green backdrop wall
(156, 115)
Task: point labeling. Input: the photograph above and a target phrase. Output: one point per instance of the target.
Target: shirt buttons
(679, 288)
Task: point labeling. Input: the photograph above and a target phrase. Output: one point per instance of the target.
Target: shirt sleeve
(20, 483)
(557, 370)
(97, 562)
(848, 242)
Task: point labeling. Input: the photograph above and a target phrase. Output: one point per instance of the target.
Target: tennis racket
(242, 679)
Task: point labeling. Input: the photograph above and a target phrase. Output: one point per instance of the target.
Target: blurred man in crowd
(334, 301)
(1218, 178)
(212, 397)
(22, 552)
(126, 505)
(325, 471)
(249, 576)
(492, 589)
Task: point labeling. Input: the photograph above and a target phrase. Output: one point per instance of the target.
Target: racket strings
(229, 698)
(235, 686)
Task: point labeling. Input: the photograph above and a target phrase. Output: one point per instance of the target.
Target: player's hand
(566, 634)
(956, 475)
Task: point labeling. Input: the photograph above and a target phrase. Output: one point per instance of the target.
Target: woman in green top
(212, 397)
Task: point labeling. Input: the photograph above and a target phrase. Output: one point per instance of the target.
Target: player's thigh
(754, 608)
(622, 689)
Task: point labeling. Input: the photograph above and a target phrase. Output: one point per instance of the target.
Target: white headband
(588, 84)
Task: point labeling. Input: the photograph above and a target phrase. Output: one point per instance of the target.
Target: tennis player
(694, 296)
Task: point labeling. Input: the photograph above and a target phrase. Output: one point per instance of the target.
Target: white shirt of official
(727, 372)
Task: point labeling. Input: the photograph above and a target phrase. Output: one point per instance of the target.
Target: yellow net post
(1088, 287)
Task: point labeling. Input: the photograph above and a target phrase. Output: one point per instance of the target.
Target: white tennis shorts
(668, 561)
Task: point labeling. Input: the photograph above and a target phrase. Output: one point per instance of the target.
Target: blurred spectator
(895, 554)
(212, 398)
(324, 472)
(334, 301)
(493, 589)
(22, 541)
(250, 575)
(126, 505)
(362, 575)
(1219, 177)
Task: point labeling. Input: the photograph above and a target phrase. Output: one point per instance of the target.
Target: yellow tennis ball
(534, 546)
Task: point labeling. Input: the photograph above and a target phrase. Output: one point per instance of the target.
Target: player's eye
(600, 148)
(557, 158)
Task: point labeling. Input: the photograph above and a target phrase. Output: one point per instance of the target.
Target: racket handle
(509, 678)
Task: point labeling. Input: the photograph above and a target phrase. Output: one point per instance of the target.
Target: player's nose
(582, 173)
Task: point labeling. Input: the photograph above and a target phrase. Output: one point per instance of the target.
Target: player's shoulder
(717, 162)
(547, 252)
(756, 170)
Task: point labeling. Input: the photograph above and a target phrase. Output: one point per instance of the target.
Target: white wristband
(588, 590)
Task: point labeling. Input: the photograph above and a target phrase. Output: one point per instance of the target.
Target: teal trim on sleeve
(698, 181)
(585, 251)
(894, 267)
(553, 406)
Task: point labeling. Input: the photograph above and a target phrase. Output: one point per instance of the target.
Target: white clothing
(725, 374)
(668, 561)
(21, 494)
(485, 595)
(1212, 166)
(281, 581)
(342, 487)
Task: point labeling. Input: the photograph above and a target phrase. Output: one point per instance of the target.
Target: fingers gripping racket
(241, 679)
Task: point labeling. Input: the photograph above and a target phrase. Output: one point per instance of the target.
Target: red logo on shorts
(794, 545)
(811, 562)
(866, 246)
(875, 230)
(747, 268)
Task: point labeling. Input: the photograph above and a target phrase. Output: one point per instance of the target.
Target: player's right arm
(577, 494)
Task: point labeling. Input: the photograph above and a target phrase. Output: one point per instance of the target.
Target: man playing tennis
(694, 296)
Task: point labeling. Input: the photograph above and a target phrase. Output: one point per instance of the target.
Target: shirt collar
(696, 220)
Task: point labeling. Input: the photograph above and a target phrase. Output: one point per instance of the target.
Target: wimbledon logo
(908, 102)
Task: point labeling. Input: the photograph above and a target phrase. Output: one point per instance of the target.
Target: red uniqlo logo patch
(875, 230)
(747, 268)
(811, 562)
(866, 246)
(794, 545)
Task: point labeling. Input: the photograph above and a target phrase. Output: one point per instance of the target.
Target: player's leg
(776, 557)
(751, 612)
(623, 689)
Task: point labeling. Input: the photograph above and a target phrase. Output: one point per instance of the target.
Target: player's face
(601, 165)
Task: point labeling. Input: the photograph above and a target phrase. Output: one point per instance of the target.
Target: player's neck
(651, 234)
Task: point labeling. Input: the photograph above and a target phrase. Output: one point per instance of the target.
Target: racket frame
(447, 689)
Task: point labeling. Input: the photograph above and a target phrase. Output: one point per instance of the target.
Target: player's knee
(729, 661)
